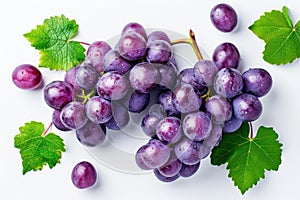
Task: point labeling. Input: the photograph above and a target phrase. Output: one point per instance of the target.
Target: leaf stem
(191, 40)
(251, 130)
(46, 130)
(85, 43)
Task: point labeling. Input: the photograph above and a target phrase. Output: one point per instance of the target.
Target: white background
(100, 20)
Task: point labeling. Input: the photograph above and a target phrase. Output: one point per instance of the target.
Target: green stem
(46, 130)
(86, 97)
(191, 40)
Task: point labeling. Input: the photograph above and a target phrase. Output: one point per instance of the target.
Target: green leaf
(248, 158)
(53, 39)
(281, 37)
(37, 150)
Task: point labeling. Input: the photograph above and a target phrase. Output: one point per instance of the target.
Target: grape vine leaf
(53, 39)
(282, 39)
(37, 150)
(248, 158)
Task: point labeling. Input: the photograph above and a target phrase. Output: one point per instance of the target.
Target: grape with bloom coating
(165, 99)
(187, 151)
(87, 76)
(188, 170)
(56, 120)
(219, 109)
(163, 178)
(223, 17)
(73, 115)
(159, 51)
(226, 55)
(98, 109)
(139, 160)
(84, 175)
(232, 125)
(27, 77)
(91, 134)
(120, 117)
(205, 71)
(113, 61)
(169, 130)
(215, 136)
(169, 76)
(135, 27)
(150, 121)
(138, 101)
(172, 167)
(187, 75)
(158, 35)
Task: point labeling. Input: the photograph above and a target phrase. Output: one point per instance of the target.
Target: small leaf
(246, 158)
(281, 37)
(53, 39)
(37, 150)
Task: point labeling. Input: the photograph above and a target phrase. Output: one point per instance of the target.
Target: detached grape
(27, 77)
(223, 17)
(84, 175)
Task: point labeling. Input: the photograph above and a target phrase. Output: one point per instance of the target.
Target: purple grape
(91, 134)
(158, 35)
(165, 99)
(150, 121)
(73, 115)
(219, 108)
(95, 54)
(226, 55)
(247, 107)
(144, 77)
(197, 126)
(138, 102)
(205, 72)
(172, 167)
(187, 151)
(84, 175)
(215, 136)
(57, 94)
(257, 81)
(135, 27)
(228, 82)
(186, 98)
(204, 150)
(56, 120)
(156, 154)
(163, 178)
(112, 85)
(223, 17)
(70, 77)
(113, 61)
(27, 77)
(139, 160)
(98, 109)
(132, 46)
(187, 75)
(120, 117)
(188, 170)
(169, 130)
(169, 76)
(159, 51)
(87, 76)
(232, 125)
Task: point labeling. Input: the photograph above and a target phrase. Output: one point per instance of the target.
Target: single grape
(226, 55)
(232, 125)
(138, 101)
(247, 107)
(56, 120)
(144, 77)
(163, 178)
(169, 130)
(197, 126)
(228, 82)
(139, 160)
(223, 17)
(132, 46)
(156, 154)
(204, 150)
(120, 117)
(113, 61)
(257, 81)
(159, 51)
(95, 54)
(165, 99)
(58, 93)
(150, 121)
(135, 27)
(70, 77)
(219, 108)
(205, 72)
(188, 170)
(215, 136)
(187, 75)
(98, 109)
(172, 167)
(87, 76)
(91, 134)
(73, 115)
(187, 151)
(169, 76)
(84, 175)
(158, 35)
(27, 77)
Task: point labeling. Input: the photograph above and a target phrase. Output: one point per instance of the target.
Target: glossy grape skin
(57, 94)
(156, 154)
(135, 27)
(163, 178)
(226, 55)
(257, 81)
(84, 175)
(169, 130)
(98, 109)
(132, 46)
(159, 51)
(70, 77)
(223, 17)
(172, 167)
(205, 71)
(138, 102)
(120, 117)
(87, 76)
(158, 35)
(247, 107)
(139, 160)
(150, 121)
(215, 136)
(228, 82)
(144, 77)
(188, 170)
(197, 126)
(91, 134)
(113, 61)
(187, 151)
(186, 98)
(187, 75)
(73, 115)
(56, 120)
(232, 125)
(95, 54)
(219, 109)
(169, 76)
(112, 85)
(27, 77)
(165, 99)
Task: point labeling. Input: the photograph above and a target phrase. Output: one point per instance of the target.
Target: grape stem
(86, 97)
(84, 43)
(191, 40)
(46, 130)
(251, 130)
